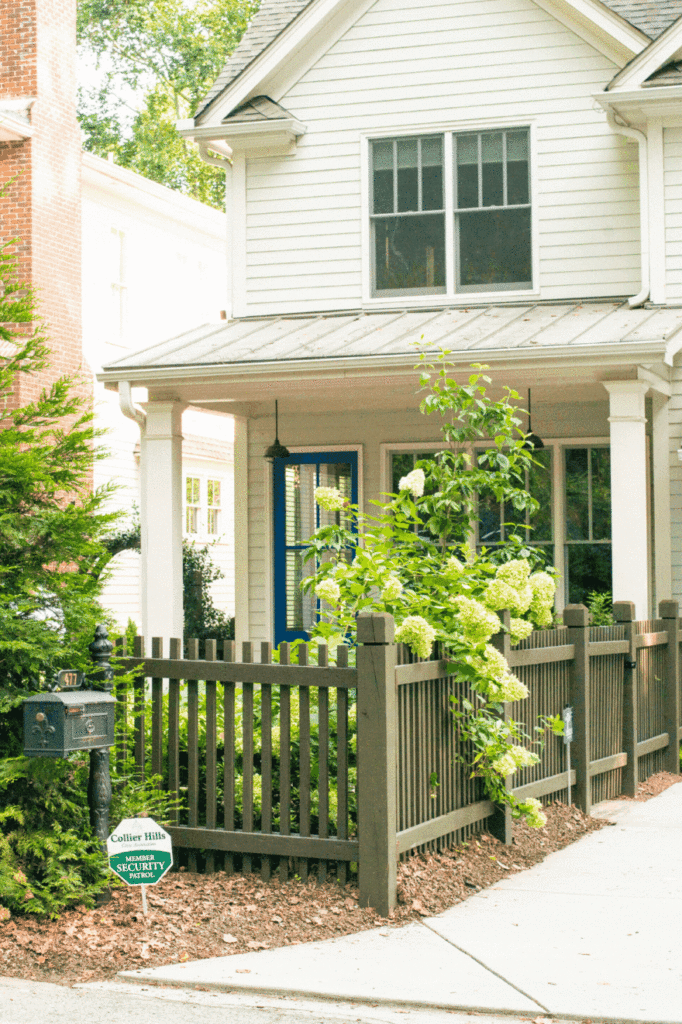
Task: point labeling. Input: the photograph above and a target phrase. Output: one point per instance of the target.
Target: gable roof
(652, 17)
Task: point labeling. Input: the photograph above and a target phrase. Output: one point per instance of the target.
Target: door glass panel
(338, 475)
(301, 612)
(588, 567)
(299, 496)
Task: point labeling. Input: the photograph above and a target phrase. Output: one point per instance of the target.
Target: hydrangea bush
(412, 557)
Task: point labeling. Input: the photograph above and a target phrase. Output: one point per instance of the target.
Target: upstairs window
(473, 236)
(192, 504)
(213, 511)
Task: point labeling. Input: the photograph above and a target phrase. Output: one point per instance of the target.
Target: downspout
(632, 133)
(128, 407)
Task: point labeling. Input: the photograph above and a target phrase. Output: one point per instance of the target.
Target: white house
(499, 177)
(154, 262)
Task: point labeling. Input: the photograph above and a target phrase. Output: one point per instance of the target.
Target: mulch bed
(196, 916)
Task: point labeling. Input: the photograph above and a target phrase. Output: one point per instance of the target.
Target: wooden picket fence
(318, 769)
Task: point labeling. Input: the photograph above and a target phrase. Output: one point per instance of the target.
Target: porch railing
(318, 768)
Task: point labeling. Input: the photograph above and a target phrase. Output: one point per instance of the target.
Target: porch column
(629, 534)
(241, 530)
(660, 429)
(161, 520)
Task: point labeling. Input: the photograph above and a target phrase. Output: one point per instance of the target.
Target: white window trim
(450, 297)
(202, 536)
(558, 444)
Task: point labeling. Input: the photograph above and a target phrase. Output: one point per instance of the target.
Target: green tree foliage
(51, 521)
(168, 53)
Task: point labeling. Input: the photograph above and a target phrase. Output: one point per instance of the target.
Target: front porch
(604, 403)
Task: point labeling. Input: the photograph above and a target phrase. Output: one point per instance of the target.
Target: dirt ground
(196, 916)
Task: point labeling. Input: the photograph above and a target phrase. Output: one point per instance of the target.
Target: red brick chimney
(40, 143)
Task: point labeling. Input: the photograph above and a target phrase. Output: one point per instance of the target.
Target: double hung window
(451, 213)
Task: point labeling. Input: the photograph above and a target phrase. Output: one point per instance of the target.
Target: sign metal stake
(144, 899)
(567, 715)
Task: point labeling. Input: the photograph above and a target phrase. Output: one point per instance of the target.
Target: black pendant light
(532, 442)
(277, 450)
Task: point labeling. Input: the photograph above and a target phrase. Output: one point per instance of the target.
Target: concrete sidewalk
(591, 933)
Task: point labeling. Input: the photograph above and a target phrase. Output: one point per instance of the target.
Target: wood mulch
(196, 916)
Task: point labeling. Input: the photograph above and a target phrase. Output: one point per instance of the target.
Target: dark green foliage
(48, 857)
(203, 621)
(600, 607)
(167, 54)
(51, 522)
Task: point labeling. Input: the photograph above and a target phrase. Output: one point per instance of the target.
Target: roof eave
(220, 373)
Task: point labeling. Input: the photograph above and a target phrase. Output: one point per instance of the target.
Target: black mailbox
(59, 724)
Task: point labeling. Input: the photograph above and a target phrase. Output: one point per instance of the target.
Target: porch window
(213, 511)
(488, 206)
(192, 504)
(587, 521)
(498, 520)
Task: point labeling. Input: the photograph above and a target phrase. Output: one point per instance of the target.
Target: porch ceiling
(356, 357)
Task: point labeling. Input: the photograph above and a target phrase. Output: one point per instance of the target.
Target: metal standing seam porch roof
(473, 331)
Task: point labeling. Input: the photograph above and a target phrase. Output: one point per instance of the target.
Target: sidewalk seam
(466, 952)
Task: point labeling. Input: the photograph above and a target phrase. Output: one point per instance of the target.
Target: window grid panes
(192, 504)
(492, 213)
(587, 503)
(499, 520)
(213, 511)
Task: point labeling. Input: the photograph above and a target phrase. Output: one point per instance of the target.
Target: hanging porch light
(532, 442)
(276, 450)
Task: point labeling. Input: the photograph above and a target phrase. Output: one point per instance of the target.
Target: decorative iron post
(99, 779)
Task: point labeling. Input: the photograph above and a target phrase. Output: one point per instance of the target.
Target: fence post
(377, 761)
(500, 824)
(624, 614)
(669, 612)
(577, 618)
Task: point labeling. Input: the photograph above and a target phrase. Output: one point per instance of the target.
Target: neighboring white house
(499, 177)
(154, 263)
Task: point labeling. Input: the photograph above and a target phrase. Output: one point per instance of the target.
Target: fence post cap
(376, 628)
(576, 615)
(624, 611)
(668, 609)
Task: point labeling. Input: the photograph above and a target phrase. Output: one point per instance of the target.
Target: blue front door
(297, 516)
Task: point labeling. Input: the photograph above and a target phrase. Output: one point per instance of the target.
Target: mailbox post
(77, 717)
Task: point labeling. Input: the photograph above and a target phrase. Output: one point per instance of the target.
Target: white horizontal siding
(407, 66)
(675, 423)
(672, 156)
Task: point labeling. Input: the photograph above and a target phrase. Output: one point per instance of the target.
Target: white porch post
(629, 534)
(660, 429)
(241, 530)
(161, 520)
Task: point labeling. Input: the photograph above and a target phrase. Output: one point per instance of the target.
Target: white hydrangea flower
(328, 590)
(522, 757)
(417, 634)
(478, 623)
(544, 587)
(519, 629)
(453, 568)
(329, 498)
(511, 689)
(515, 573)
(505, 765)
(532, 809)
(413, 482)
(392, 589)
(499, 595)
(492, 662)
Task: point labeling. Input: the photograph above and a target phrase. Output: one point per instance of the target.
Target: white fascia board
(650, 59)
(12, 129)
(599, 26)
(654, 98)
(122, 183)
(617, 354)
(249, 135)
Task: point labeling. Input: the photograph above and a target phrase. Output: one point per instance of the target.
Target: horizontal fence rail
(284, 766)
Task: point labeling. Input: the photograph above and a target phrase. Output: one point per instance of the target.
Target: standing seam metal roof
(651, 17)
(489, 328)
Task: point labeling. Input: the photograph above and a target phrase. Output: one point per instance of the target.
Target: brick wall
(43, 205)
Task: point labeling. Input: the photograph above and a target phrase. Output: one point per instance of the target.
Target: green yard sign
(140, 851)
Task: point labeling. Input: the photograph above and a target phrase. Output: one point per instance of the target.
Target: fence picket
(174, 728)
(247, 754)
(303, 760)
(284, 761)
(211, 753)
(192, 750)
(342, 764)
(138, 712)
(266, 758)
(229, 755)
(322, 763)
